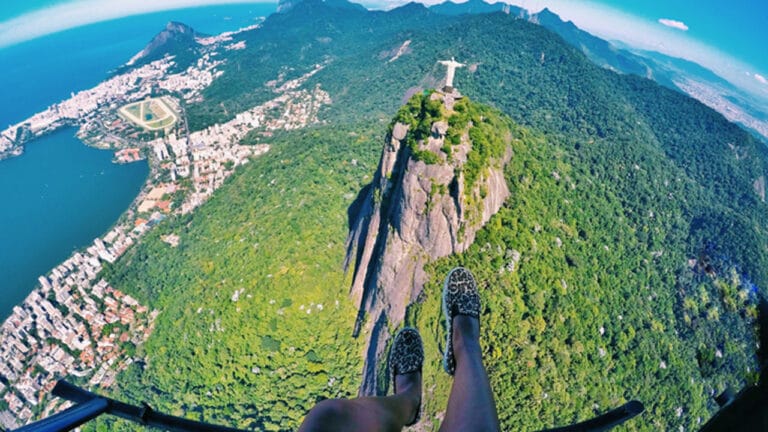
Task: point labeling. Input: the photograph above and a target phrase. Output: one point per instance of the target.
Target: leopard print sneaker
(406, 356)
(460, 297)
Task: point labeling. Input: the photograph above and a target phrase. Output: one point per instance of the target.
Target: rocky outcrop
(286, 5)
(418, 208)
(759, 186)
(176, 39)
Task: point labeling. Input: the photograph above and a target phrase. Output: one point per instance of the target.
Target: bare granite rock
(439, 129)
(759, 186)
(411, 214)
(399, 131)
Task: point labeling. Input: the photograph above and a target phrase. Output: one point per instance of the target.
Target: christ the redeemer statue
(451, 64)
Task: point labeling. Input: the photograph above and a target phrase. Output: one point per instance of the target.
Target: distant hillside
(177, 39)
(476, 7)
(598, 50)
(440, 180)
(678, 74)
(748, 110)
(623, 265)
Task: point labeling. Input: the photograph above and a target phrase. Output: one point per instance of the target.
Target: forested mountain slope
(623, 266)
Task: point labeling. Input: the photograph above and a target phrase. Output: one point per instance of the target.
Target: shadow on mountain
(747, 410)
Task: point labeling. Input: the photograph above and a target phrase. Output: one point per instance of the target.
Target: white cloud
(674, 24)
(615, 25)
(761, 79)
(81, 12)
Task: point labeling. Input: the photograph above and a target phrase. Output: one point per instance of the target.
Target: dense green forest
(255, 320)
(624, 265)
(581, 316)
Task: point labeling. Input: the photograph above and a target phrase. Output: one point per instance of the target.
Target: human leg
(470, 405)
(389, 413)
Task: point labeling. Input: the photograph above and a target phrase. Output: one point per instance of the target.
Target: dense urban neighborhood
(74, 323)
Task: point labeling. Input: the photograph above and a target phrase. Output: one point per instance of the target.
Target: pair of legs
(470, 406)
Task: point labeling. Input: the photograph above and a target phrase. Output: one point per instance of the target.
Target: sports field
(151, 114)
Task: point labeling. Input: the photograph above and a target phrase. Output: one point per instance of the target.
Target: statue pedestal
(449, 95)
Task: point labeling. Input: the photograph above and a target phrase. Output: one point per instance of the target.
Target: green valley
(625, 264)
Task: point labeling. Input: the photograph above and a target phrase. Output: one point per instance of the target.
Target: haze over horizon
(723, 39)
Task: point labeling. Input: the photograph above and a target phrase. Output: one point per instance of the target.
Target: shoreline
(65, 194)
(184, 169)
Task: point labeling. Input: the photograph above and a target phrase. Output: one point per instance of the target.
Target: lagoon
(60, 195)
(57, 197)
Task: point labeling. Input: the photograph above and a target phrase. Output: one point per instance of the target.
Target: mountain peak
(286, 5)
(175, 39)
(175, 27)
(440, 179)
(546, 16)
(411, 7)
(476, 7)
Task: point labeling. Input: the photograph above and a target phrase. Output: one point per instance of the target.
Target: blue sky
(739, 27)
(728, 38)
(22, 20)
(731, 38)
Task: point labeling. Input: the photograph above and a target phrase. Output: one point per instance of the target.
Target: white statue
(451, 64)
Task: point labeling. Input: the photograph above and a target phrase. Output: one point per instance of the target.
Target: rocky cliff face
(434, 188)
(176, 39)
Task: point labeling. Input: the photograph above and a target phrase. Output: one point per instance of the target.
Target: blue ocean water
(60, 194)
(43, 71)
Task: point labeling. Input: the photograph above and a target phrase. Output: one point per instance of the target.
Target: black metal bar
(90, 405)
(72, 392)
(143, 415)
(70, 418)
(606, 421)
